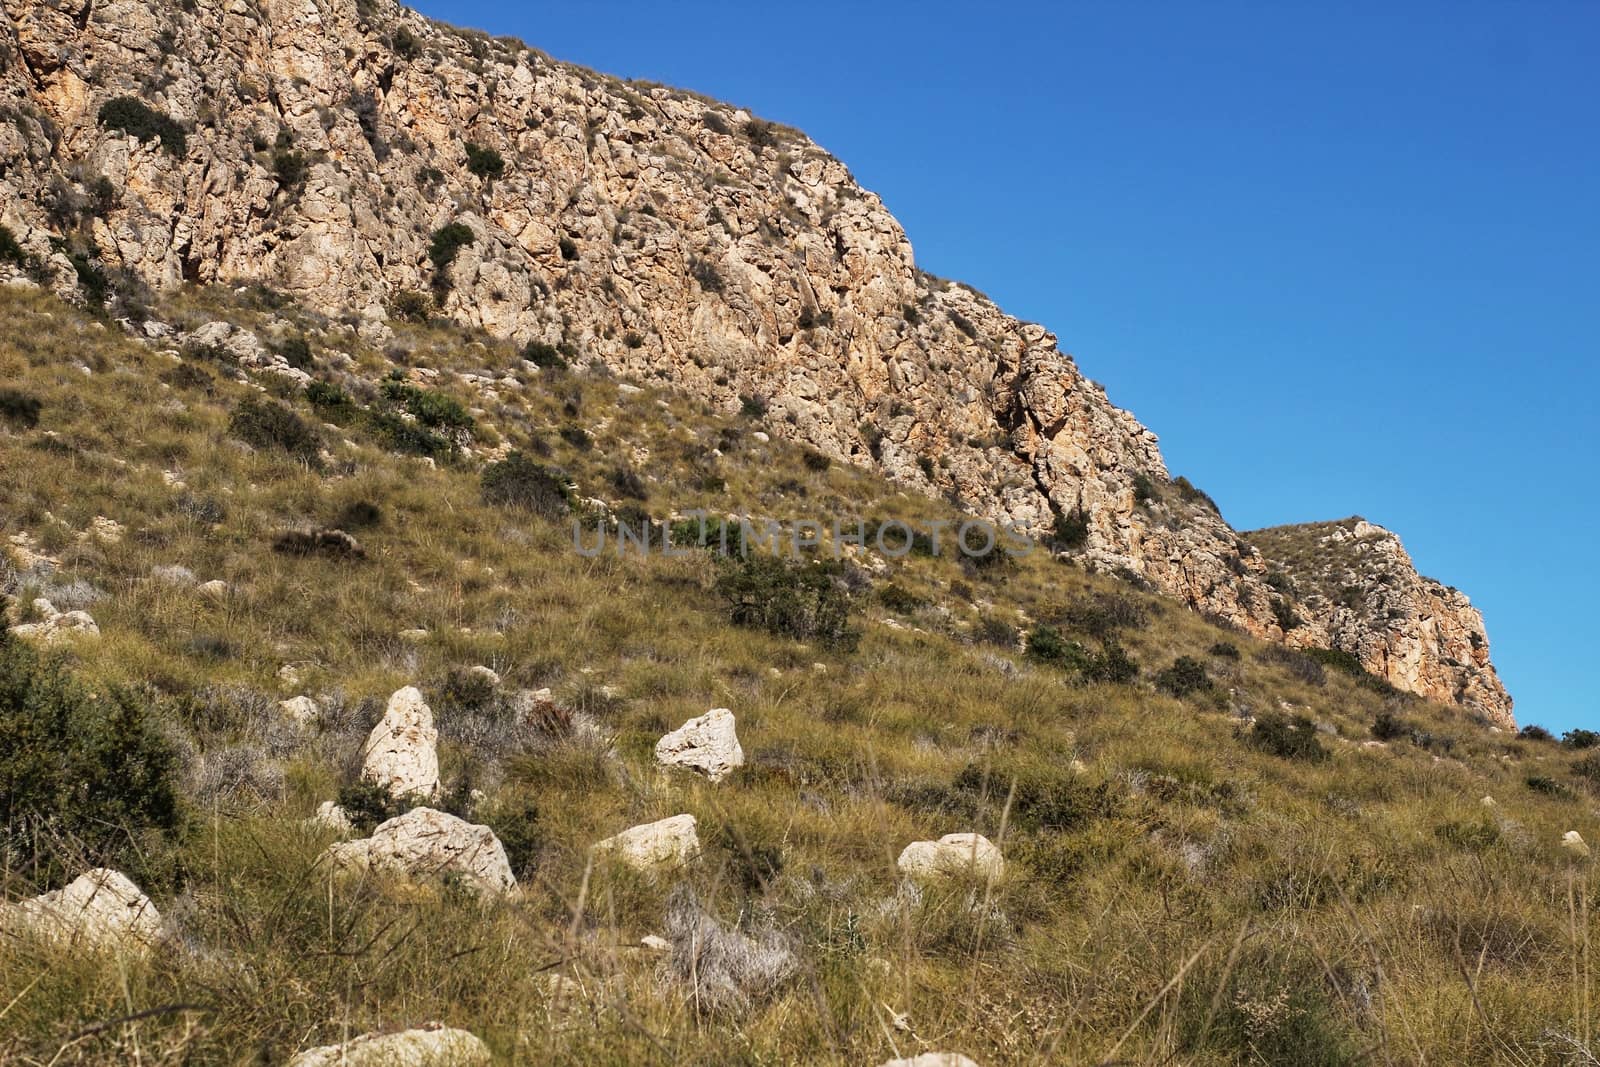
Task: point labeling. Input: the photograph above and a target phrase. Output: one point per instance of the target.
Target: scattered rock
(1573, 842)
(57, 626)
(331, 816)
(431, 1045)
(172, 574)
(106, 531)
(953, 855)
(100, 910)
(655, 943)
(489, 676)
(1488, 802)
(216, 588)
(656, 846)
(413, 636)
(425, 845)
(302, 710)
(707, 743)
(401, 753)
(933, 1059)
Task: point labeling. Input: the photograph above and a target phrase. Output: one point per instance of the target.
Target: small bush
(1285, 615)
(295, 350)
(411, 306)
(815, 461)
(289, 168)
(1185, 676)
(88, 777)
(486, 163)
(134, 117)
(10, 249)
(1104, 614)
(1388, 726)
(761, 133)
(269, 424)
(1070, 531)
(1540, 783)
(715, 123)
(428, 406)
(1588, 768)
(544, 356)
(792, 598)
(899, 599)
(1532, 732)
(405, 44)
(1580, 739)
(1297, 664)
(407, 435)
(366, 804)
(705, 274)
(446, 243)
(1338, 659)
(1193, 494)
(752, 407)
(1144, 488)
(1223, 650)
(359, 515)
(19, 408)
(328, 398)
(1291, 737)
(518, 482)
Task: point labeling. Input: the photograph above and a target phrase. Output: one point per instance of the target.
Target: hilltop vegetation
(1217, 850)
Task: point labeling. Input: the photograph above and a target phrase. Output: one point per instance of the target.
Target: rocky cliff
(364, 160)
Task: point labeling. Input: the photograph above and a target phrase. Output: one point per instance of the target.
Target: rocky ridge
(325, 145)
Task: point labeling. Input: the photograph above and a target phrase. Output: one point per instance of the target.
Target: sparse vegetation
(486, 163)
(269, 424)
(801, 599)
(519, 482)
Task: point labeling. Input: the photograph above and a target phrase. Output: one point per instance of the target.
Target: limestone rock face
(434, 1045)
(1357, 590)
(100, 910)
(666, 236)
(424, 845)
(401, 754)
(707, 743)
(656, 846)
(952, 856)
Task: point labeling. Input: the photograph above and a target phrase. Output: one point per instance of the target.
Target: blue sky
(1343, 263)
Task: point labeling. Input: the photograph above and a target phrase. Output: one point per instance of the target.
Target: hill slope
(1217, 850)
(366, 161)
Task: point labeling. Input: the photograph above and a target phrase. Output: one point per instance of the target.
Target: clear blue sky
(1343, 263)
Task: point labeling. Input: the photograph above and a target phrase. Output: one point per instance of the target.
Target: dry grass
(1176, 896)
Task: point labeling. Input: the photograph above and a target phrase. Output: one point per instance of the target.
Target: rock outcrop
(434, 1045)
(401, 754)
(671, 238)
(426, 845)
(101, 910)
(1355, 589)
(707, 743)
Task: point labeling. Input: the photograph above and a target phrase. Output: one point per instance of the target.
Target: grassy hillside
(1209, 859)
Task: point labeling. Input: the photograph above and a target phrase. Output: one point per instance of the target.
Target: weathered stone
(656, 846)
(1573, 842)
(933, 1059)
(433, 1045)
(426, 845)
(953, 855)
(100, 910)
(708, 743)
(401, 753)
(301, 710)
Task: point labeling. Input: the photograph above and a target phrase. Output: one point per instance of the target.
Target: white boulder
(401, 753)
(303, 711)
(423, 845)
(933, 1059)
(655, 846)
(57, 626)
(1573, 842)
(433, 1045)
(952, 856)
(101, 910)
(707, 743)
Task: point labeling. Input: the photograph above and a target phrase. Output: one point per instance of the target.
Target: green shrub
(289, 168)
(545, 356)
(1588, 768)
(1580, 739)
(91, 278)
(752, 407)
(1046, 798)
(1186, 675)
(1193, 494)
(1224, 650)
(1388, 726)
(1470, 836)
(401, 434)
(134, 117)
(1532, 732)
(1295, 662)
(1104, 614)
(1144, 488)
(1338, 659)
(792, 598)
(446, 243)
(519, 482)
(411, 306)
(366, 804)
(1540, 783)
(815, 461)
(11, 250)
(329, 398)
(1045, 644)
(19, 408)
(1284, 613)
(405, 44)
(428, 406)
(268, 424)
(295, 350)
(486, 163)
(1269, 1005)
(86, 779)
(1291, 737)
(899, 599)
(724, 536)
